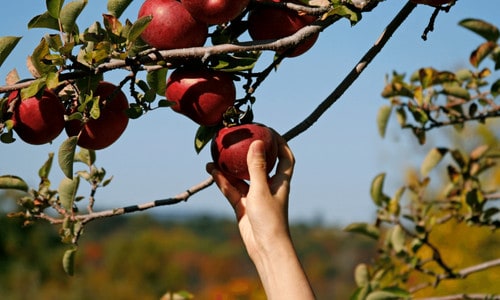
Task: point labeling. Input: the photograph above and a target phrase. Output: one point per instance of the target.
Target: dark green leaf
(203, 136)
(66, 156)
(13, 182)
(482, 28)
(368, 230)
(117, 7)
(68, 261)
(67, 192)
(157, 80)
(495, 88)
(7, 44)
(70, 13)
(54, 7)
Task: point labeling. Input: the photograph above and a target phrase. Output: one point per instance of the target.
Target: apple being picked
(96, 134)
(39, 119)
(201, 94)
(215, 11)
(269, 23)
(172, 26)
(230, 146)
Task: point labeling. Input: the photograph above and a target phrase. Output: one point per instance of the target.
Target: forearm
(281, 273)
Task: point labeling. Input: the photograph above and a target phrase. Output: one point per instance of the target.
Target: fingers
(286, 160)
(256, 161)
(232, 189)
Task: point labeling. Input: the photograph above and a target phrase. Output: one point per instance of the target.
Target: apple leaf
(66, 155)
(54, 7)
(157, 80)
(69, 13)
(33, 89)
(434, 156)
(398, 237)
(13, 182)
(361, 275)
(482, 28)
(7, 44)
(455, 90)
(236, 62)
(495, 88)
(376, 190)
(483, 51)
(67, 191)
(368, 230)
(117, 7)
(137, 28)
(44, 170)
(86, 156)
(203, 136)
(383, 119)
(44, 20)
(68, 261)
(38, 57)
(388, 295)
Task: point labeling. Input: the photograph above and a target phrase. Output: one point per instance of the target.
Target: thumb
(256, 161)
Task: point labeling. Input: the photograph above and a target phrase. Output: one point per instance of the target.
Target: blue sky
(336, 158)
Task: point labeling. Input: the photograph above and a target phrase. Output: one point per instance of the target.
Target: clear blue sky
(336, 159)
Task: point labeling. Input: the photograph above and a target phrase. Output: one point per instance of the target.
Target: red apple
(432, 2)
(201, 94)
(96, 134)
(268, 23)
(215, 11)
(38, 120)
(229, 148)
(172, 26)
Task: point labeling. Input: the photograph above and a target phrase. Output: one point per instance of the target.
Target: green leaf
(398, 238)
(482, 28)
(157, 80)
(117, 7)
(383, 119)
(44, 171)
(67, 192)
(69, 14)
(38, 58)
(7, 44)
(44, 20)
(33, 89)
(376, 190)
(68, 261)
(236, 62)
(495, 88)
(54, 7)
(138, 27)
(383, 295)
(434, 156)
(66, 156)
(363, 228)
(203, 136)
(361, 275)
(455, 90)
(13, 182)
(86, 156)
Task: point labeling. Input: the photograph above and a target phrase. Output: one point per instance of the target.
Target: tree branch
(354, 74)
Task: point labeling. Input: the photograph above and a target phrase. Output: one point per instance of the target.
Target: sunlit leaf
(434, 156)
(366, 229)
(69, 14)
(38, 58)
(456, 90)
(138, 27)
(33, 89)
(7, 44)
(112, 24)
(383, 119)
(54, 7)
(66, 156)
(44, 170)
(86, 156)
(488, 31)
(68, 261)
(361, 275)
(117, 7)
(398, 238)
(44, 20)
(483, 51)
(376, 190)
(67, 191)
(13, 182)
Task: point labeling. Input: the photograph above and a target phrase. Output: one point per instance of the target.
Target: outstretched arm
(262, 212)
